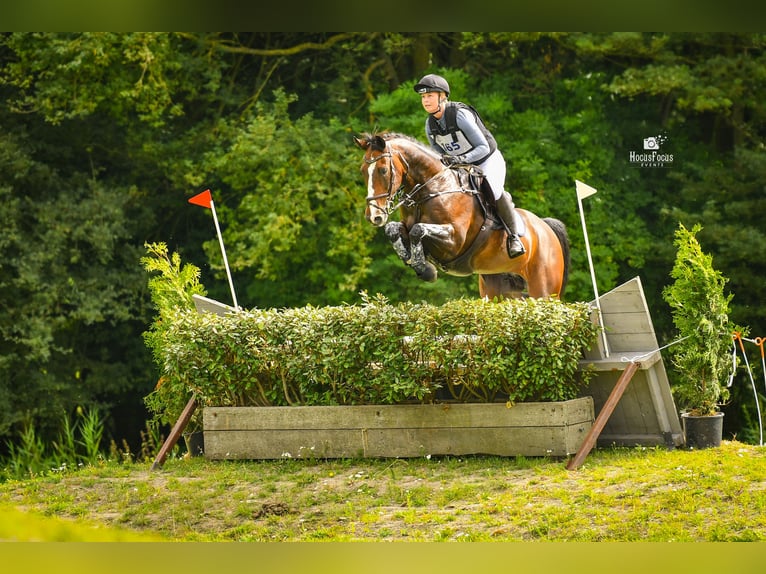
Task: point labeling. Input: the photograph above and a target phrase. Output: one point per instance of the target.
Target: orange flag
(204, 199)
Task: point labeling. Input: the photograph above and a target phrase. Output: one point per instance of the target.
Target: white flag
(584, 190)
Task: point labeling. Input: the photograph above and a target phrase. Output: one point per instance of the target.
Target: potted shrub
(172, 286)
(701, 359)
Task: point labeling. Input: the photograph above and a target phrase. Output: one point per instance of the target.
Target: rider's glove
(450, 160)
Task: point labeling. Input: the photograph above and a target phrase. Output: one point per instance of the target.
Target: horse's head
(384, 170)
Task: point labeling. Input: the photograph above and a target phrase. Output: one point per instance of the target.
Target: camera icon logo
(654, 142)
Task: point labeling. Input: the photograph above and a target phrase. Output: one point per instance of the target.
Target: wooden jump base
(392, 431)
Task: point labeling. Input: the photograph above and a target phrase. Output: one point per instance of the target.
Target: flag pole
(205, 199)
(223, 252)
(583, 191)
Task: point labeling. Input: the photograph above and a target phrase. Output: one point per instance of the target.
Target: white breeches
(494, 170)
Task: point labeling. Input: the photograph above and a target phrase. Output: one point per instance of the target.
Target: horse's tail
(560, 230)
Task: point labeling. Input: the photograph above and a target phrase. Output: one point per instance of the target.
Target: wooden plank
(445, 415)
(631, 324)
(629, 342)
(205, 305)
(394, 443)
(626, 318)
(617, 362)
(603, 416)
(626, 298)
(527, 429)
(659, 390)
(627, 323)
(636, 413)
(175, 433)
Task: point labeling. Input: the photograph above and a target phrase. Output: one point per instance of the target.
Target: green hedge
(377, 353)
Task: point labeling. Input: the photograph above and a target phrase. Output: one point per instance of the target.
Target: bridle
(390, 195)
(408, 200)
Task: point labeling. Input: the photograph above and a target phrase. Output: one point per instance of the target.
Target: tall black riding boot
(505, 211)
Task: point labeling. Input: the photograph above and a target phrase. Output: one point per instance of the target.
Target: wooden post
(175, 433)
(606, 411)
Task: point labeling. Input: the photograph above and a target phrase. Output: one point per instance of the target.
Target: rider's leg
(494, 170)
(505, 211)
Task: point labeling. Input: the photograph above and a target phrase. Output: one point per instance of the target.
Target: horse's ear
(362, 143)
(378, 143)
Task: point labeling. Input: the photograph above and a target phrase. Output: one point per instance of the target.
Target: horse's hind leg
(502, 286)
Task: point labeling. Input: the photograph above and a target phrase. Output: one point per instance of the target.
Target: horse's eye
(383, 171)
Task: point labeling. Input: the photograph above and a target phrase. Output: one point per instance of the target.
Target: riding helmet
(432, 83)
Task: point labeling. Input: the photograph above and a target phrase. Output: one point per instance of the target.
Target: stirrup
(514, 246)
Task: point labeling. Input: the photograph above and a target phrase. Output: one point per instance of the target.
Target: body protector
(451, 139)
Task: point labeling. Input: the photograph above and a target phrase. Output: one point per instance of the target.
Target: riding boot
(505, 212)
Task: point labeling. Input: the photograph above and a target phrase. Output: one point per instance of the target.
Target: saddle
(472, 177)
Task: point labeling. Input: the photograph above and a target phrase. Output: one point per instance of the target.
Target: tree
(65, 283)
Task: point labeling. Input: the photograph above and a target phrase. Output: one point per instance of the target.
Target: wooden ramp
(646, 413)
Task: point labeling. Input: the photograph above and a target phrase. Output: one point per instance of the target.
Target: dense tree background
(104, 137)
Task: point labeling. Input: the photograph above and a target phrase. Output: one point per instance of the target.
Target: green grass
(639, 494)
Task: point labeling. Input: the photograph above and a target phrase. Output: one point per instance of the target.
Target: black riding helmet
(432, 83)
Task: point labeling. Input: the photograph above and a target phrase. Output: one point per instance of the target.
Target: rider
(456, 131)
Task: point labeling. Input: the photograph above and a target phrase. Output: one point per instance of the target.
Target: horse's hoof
(429, 274)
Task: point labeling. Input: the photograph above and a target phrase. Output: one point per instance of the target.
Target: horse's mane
(371, 138)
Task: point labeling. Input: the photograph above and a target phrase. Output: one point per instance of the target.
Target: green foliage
(66, 285)
(79, 443)
(172, 286)
(294, 221)
(376, 353)
(700, 308)
(72, 76)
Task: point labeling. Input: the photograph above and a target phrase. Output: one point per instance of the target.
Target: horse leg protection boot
(505, 212)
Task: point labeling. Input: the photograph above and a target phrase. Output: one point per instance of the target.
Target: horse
(447, 223)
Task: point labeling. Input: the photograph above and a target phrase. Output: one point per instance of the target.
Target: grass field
(637, 494)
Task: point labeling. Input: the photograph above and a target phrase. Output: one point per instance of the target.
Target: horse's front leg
(397, 234)
(441, 233)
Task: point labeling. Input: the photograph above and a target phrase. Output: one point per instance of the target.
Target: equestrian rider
(456, 131)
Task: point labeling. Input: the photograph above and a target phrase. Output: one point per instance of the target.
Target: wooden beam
(175, 433)
(606, 411)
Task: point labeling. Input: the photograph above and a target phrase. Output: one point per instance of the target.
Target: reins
(409, 200)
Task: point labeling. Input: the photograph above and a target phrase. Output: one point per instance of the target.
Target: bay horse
(447, 224)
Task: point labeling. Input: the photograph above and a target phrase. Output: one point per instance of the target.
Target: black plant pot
(703, 432)
(195, 443)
